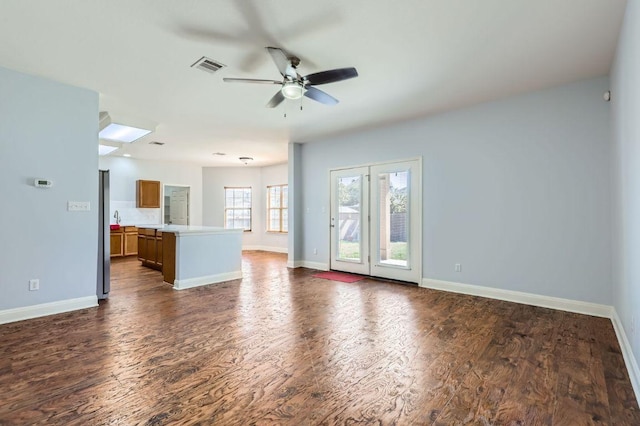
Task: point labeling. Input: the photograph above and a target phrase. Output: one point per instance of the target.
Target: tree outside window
(277, 208)
(237, 208)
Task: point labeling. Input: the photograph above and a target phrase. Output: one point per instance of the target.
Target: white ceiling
(414, 57)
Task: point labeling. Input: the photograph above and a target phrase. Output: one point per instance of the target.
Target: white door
(396, 221)
(350, 220)
(179, 207)
(376, 220)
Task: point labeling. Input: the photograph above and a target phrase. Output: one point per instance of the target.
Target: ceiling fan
(294, 86)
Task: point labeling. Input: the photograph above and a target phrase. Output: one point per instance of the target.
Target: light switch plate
(78, 206)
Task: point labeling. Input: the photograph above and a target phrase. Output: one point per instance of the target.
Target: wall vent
(208, 65)
(156, 143)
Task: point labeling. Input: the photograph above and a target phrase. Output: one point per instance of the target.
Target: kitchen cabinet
(116, 242)
(148, 194)
(124, 241)
(150, 247)
(130, 244)
(142, 246)
(159, 249)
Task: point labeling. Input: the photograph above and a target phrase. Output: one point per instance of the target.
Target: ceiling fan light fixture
(292, 90)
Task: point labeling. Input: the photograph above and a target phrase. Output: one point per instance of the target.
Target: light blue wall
(517, 191)
(295, 236)
(625, 118)
(47, 130)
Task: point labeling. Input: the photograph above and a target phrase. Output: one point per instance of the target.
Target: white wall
(124, 172)
(273, 175)
(625, 95)
(517, 191)
(214, 181)
(47, 130)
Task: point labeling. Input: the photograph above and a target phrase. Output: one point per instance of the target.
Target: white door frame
(360, 265)
(164, 186)
(413, 271)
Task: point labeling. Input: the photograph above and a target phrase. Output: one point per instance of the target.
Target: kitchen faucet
(116, 216)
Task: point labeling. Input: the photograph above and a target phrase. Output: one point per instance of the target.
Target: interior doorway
(376, 220)
(176, 205)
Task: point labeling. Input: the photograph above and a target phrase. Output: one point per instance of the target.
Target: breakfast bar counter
(191, 256)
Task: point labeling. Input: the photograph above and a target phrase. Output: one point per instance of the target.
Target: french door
(376, 220)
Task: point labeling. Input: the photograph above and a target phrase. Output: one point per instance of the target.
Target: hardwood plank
(283, 347)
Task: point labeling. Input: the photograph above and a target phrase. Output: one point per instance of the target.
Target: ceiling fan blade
(250, 80)
(276, 100)
(331, 76)
(282, 61)
(320, 96)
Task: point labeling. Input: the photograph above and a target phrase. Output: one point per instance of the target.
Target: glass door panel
(396, 221)
(393, 221)
(349, 220)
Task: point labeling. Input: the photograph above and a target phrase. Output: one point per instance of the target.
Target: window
(237, 208)
(277, 213)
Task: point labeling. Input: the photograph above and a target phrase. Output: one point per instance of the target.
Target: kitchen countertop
(191, 229)
(122, 226)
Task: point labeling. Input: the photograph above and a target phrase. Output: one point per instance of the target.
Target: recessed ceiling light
(106, 149)
(122, 133)
(245, 160)
(156, 143)
(126, 155)
(219, 153)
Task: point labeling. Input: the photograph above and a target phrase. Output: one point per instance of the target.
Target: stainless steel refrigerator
(104, 237)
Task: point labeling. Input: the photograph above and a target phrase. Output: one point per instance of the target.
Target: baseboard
(44, 309)
(627, 354)
(294, 264)
(266, 248)
(568, 305)
(205, 280)
(312, 265)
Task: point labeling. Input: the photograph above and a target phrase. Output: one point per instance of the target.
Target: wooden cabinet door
(116, 240)
(159, 251)
(151, 250)
(148, 194)
(130, 243)
(142, 247)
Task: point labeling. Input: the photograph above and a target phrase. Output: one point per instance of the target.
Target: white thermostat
(43, 183)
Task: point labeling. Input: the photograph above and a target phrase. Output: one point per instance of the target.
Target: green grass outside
(351, 250)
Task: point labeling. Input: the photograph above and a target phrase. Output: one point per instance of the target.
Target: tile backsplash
(130, 215)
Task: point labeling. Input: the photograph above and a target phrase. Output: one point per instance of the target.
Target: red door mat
(339, 276)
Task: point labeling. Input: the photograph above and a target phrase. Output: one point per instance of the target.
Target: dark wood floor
(283, 347)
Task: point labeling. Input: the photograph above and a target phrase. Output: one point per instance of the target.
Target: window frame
(227, 209)
(281, 209)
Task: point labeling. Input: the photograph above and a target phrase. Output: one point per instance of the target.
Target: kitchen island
(191, 256)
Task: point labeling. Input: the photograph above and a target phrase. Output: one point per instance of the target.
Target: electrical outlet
(315, 251)
(458, 267)
(34, 285)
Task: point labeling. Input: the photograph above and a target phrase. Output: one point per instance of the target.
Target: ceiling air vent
(208, 65)
(156, 143)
